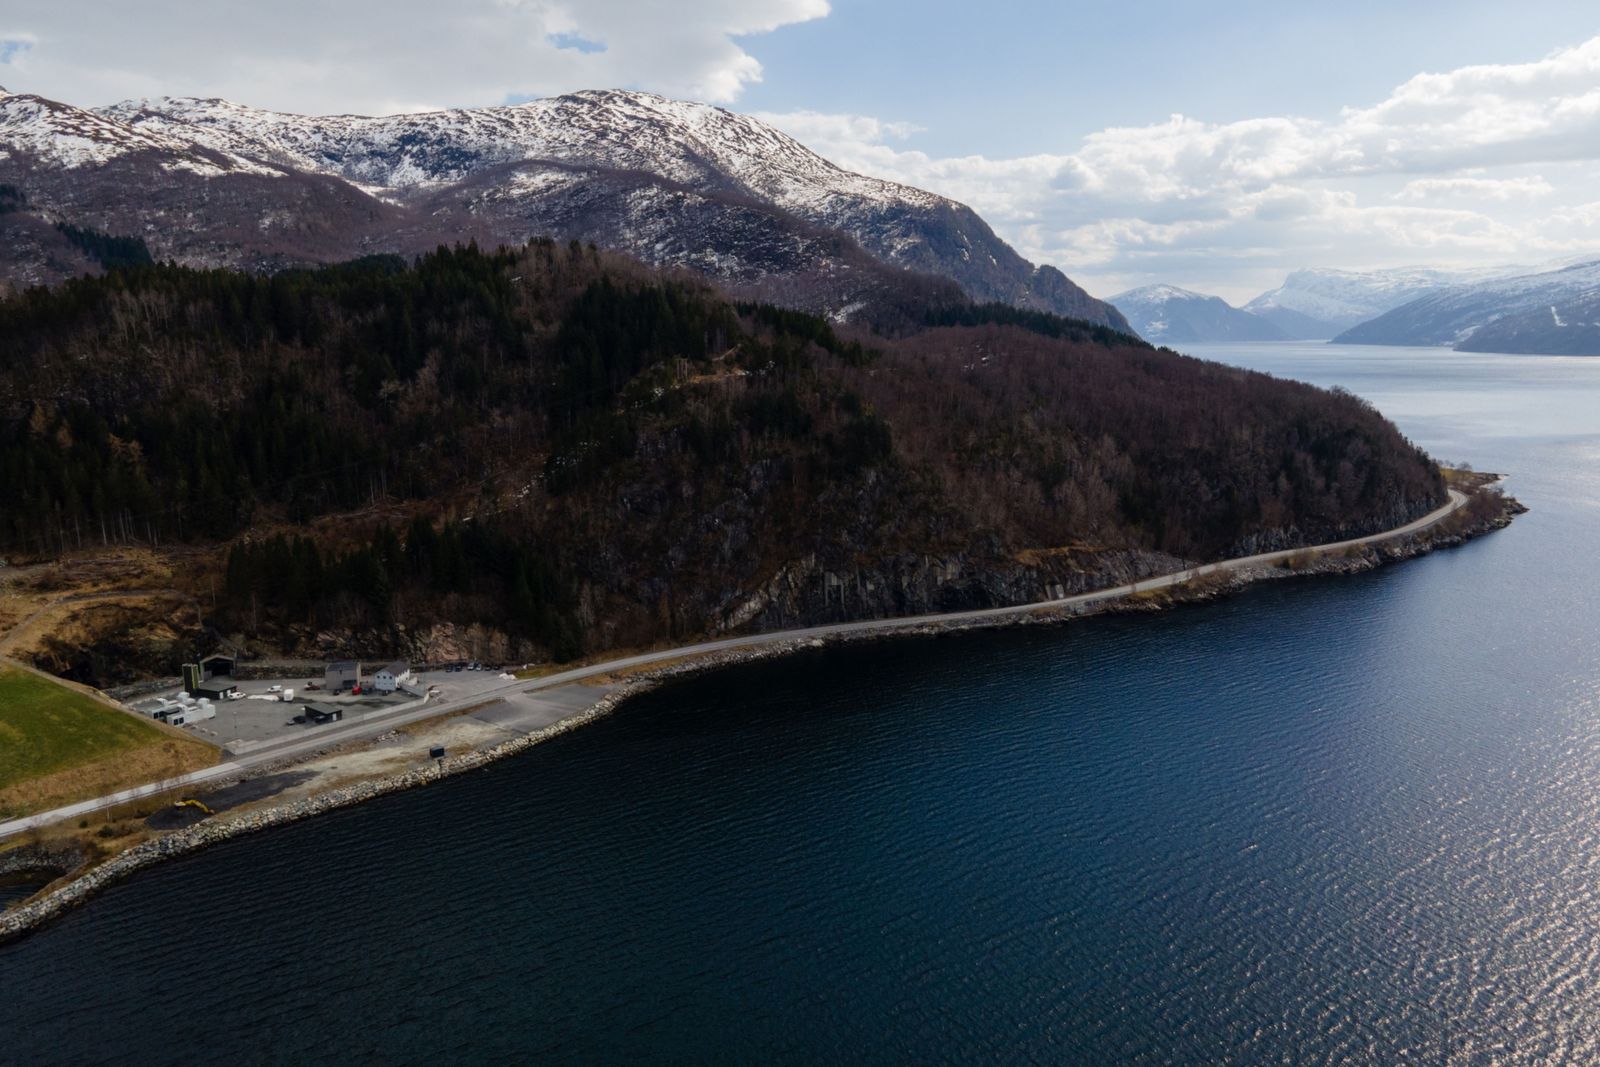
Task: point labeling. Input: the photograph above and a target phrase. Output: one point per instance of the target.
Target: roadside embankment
(1482, 512)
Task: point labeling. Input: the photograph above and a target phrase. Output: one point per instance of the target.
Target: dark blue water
(1330, 820)
(21, 888)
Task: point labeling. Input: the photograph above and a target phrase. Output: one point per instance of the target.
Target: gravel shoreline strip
(18, 921)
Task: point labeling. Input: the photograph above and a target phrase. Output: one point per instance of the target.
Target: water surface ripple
(1329, 821)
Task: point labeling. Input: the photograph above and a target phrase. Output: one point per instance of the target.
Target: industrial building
(221, 688)
(217, 665)
(341, 674)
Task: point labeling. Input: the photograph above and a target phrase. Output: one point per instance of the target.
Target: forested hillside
(583, 452)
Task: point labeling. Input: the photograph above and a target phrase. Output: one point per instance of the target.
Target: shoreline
(1196, 585)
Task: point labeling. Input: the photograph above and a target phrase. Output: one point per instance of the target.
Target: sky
(1212, 146)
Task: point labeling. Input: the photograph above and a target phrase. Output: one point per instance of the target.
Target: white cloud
(1476, 188)
(1435, 170)
(1482, 162)
(376, 56)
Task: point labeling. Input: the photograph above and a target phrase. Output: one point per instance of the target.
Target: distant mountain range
(1569, 326)
(1551, 311)
(1320, 303)
(1166, 314)
(679, 185)
(1496, 309)
(1311, 305)
(212, 183)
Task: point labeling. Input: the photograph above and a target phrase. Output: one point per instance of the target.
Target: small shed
(341, 674)
(392, 677)
(220, 688)
(323, 713)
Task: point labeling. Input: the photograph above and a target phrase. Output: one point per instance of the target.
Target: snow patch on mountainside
(686, 142)
(72, 138)
(1463, 313)
(1340, 299)
(735, 197)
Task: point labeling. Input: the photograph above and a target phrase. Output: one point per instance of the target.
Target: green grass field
(56, 743)
(46, 727)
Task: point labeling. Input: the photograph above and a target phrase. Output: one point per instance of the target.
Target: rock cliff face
(677, 184)
(805, 592)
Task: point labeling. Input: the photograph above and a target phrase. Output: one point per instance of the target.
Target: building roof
(345, 665)
(397, 668)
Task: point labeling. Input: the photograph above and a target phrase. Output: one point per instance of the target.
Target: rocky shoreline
(22, 919)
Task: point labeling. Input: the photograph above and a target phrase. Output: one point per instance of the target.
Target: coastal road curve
(335, 735)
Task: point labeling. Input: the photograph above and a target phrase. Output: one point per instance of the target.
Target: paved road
(334, 735)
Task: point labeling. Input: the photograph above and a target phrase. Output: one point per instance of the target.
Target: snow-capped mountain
(72, 138)
(1568, 326)
(1549, 311)
(1166, 314)
(671, 182)
(685, 142)
(1318, 303)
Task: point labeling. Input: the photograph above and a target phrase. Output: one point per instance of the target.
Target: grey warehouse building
(342, 674)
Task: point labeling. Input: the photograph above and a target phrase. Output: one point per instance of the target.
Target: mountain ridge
(1315, 303)
(595, 165)
(1166, 313)
(1522, 313)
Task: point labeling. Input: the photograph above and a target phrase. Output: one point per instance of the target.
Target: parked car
(274, 688)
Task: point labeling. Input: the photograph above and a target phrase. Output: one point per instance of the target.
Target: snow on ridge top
(681, 140)
(1154, 294)
(1562, 282)
(760, 154)
(1331, 294)
(74, 137)
(1372, 289)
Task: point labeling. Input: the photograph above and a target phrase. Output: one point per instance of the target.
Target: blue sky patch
(575, 42)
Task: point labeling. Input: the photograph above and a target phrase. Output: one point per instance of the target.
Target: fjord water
(1328, 820)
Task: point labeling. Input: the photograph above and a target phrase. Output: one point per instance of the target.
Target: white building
(393, 677)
